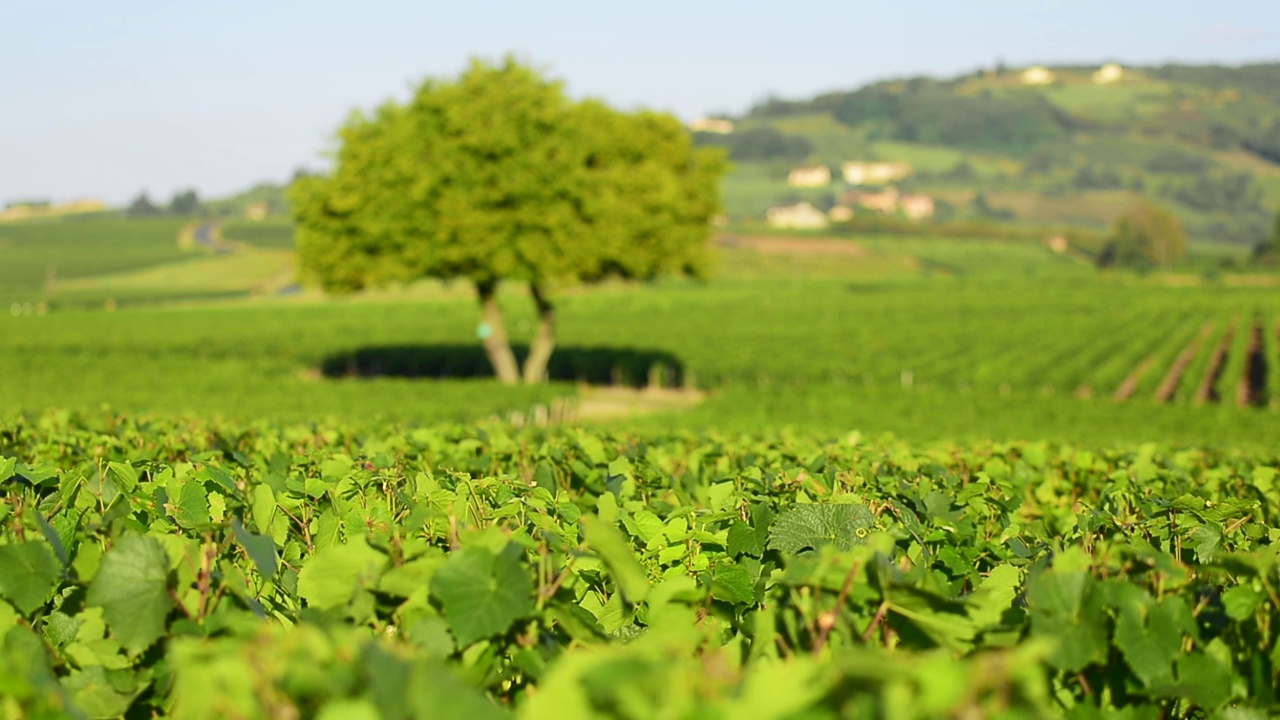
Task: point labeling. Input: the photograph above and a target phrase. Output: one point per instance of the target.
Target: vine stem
(826, 621)
(875, 621)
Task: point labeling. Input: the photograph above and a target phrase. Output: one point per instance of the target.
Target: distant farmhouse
(256, 211)
(885, 201)
(802, 215)
(1108, 74)
(817, 176)
(840, 213)
(914, 205)
(712, 125)
(875, 173)
(1037, 75)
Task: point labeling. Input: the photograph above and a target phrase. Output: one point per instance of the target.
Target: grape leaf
(29, 572)
(733, 583)
(813, 526)
(744, 539)
(482, 593)
(605, 540)
(261, 549)
(331, 577)
(132, 588)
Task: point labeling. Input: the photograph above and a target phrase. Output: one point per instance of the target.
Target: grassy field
(923, 337)
(36, 257)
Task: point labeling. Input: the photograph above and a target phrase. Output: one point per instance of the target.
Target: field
(905, 477)
(206, 570)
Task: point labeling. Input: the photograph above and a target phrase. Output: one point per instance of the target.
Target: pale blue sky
(109, 97)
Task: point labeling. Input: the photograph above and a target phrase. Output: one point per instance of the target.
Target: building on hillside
(885, 201)
(802, 215)
(875, 173)
(712, 125)
(916, 206)
(256, 211)
(1109, 73)
(816, 176)
(1037, 75)
(840, 213)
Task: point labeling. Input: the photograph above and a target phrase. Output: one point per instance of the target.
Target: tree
(1144, 236)
(184, 203)
(142, 206)
(499, 176)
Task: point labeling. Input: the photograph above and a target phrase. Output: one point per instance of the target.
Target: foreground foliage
(186, 569)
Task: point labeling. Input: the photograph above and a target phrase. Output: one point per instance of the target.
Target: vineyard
(1035, 356)
(189, 569)
(920, 478)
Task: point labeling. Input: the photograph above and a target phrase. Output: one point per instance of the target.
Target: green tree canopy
(185, 203)
(497, 175)
(1145, 236)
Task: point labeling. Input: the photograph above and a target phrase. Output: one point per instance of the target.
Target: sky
(107, 99)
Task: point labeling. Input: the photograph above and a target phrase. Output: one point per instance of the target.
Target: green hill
(1202, 140)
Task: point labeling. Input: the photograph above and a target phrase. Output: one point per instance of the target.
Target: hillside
(1042, 146)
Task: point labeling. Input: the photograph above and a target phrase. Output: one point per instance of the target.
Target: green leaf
(751, 539)
(191, 508)
(605, 541)
(54, 538)
(483, 593)
(435, 691)
(261, 549)
(29, 572)
(333, 576)
(943, 621)
(124, 475)
(7, 467)
(1241, 601)
(1064, 609)
(264, 508)
(995, 595)
(1206, 539)
(813, 526)
(1203, 680)
(732, 583)
(132, 588)
(102, 693)
(1149, 638)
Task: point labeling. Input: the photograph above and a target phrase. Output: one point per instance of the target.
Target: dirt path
(1130, 384)
(1252, 389)
(606, 403)
(770, 245)
(1169, 385)
(1208, 389)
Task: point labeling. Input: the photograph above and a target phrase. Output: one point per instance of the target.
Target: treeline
(184, 202)
(931, 111)
(758, 145)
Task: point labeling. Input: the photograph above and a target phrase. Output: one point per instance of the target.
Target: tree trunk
(544, 341)
(493, 333)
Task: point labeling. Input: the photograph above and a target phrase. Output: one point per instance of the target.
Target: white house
(874, 173)
(817, 176)
(1037, 75)
(1107, 74)
(712, 125)
(802, 215)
